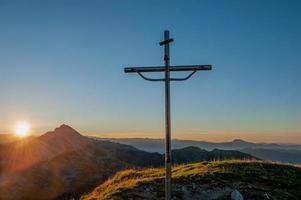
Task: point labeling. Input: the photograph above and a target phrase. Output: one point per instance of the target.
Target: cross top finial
(167, 40)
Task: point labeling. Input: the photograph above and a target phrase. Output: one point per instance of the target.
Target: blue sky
(62, 62)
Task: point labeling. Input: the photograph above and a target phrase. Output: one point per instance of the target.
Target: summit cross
(167, 69)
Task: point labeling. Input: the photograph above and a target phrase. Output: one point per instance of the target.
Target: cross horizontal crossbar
(171, 68)
(166, 41)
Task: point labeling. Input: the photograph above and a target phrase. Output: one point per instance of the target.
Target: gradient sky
(62, 62)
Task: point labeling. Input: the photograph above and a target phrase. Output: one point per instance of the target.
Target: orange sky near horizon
(268, 136)
(212, 136)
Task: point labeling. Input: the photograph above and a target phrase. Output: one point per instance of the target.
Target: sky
(62, 62)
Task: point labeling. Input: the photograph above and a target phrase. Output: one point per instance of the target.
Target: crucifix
(167, 69)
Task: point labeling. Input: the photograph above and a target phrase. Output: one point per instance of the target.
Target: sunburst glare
(22, 129)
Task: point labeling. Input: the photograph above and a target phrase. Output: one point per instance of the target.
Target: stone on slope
(236, 195)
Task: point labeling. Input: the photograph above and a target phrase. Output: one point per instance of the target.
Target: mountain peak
(239, 141)
(65, 126)
(62, 131)
(65, 129)
(64, 136)
(191, 149)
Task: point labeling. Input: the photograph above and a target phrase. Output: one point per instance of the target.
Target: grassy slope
(254, 179)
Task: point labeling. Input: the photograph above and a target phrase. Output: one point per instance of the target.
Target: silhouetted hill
(207, 180)
(194, 154)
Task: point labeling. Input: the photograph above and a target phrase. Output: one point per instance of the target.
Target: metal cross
(167, 69)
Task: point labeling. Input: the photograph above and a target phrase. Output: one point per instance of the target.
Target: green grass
(254, 179)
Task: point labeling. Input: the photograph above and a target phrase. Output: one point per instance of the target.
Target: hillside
(206, 180)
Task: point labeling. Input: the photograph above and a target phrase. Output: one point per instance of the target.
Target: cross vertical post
(167, 69)
(167, 118)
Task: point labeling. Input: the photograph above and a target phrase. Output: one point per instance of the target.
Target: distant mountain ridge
(157, 145)
(288, 153)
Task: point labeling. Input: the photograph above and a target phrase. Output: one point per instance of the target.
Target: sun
(22, 129)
